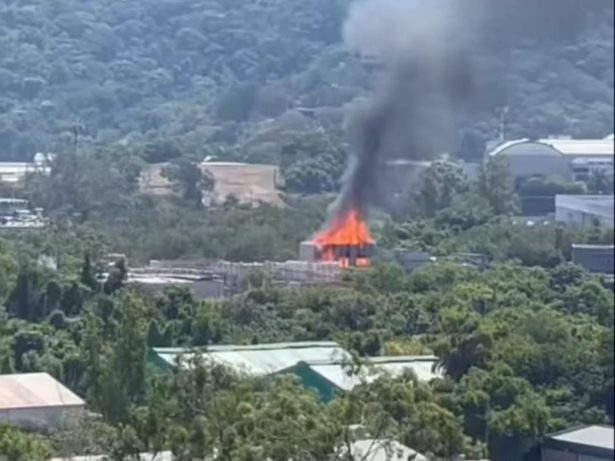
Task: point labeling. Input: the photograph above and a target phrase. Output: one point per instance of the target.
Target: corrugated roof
(590, 436)
(162, 456)
(422, 366)
(34, 390)
(589, 246)
(263, 359)
(383, 450)
(572, 147)
(582, 146)
(335, 372)
(599, 205)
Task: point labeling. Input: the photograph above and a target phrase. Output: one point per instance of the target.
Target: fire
(346, 240)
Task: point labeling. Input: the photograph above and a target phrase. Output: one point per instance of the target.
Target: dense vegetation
(114, 86)
(205, 74)
(526, 350)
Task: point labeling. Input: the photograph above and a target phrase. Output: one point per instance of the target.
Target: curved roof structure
(565, 147)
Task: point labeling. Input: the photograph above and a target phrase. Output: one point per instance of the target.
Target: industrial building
(201, 284)
(37, 401)
(593, 258)
(321, 365)
(571, 159)
(589, 443)
(214, 279)
(329, 378)
(585, 210)
(255, 360)
(16, 213)
(15, 172)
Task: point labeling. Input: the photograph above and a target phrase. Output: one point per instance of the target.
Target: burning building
(346, 240)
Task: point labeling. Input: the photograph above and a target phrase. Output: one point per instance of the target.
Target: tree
(311, 163)
(19, 446)
(115, 349)
(192, 179)
(88, 276)
(442, 181)
(25, 299)
(116, 278)
(496, 186)
(600, 182)
(161, 151)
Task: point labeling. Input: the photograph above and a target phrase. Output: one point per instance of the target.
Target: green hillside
(226, 72)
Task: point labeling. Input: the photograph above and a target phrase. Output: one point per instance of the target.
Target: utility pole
(503, 120)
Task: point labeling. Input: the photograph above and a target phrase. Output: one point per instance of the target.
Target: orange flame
(350, 230)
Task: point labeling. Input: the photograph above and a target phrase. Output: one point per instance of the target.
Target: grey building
(572, 159)
(589, 443)
(584, 210)
(594, 258)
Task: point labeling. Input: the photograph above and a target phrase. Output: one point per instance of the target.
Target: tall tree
(496, 185)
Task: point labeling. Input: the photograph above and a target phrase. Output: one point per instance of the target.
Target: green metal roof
(259, 359)
(335, 373)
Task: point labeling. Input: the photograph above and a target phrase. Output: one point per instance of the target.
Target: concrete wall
(594, 259)
(46, 419)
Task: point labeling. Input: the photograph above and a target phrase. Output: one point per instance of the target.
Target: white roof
(383, 450)
(34, 390)
(162, 456)
(572, 147)
(582, 146)
(335, 373)
(263, 359)
(591, 436)
(158, 280)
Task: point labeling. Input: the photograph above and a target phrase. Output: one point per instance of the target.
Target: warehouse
(584, 210)
(589, 443)
(329, 378)
(321, 365)
(254, 360)
(37, 401)
(594, 258)
(571, 159)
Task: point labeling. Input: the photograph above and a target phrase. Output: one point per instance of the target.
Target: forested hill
(208, 72)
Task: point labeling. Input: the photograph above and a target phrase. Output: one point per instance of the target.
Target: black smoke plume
(424, 51)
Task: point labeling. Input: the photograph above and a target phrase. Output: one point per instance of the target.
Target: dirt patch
(250, 183)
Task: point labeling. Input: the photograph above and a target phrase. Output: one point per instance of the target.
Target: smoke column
(425, 78)
(422, 48)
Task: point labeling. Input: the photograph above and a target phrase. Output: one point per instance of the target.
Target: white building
(572, 159)
(584, 210)
(14, 172)
(589, 443)
(37, 401)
